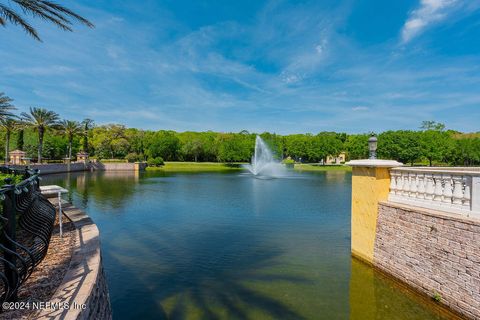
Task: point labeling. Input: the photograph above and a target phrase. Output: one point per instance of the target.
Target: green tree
(235, 147)
(210, 146)
(435, 145)
(297, 146)
(10, 125)
(323, 145)
(20, 140)
(466, 151)
(401, 145)
(40, 119)
(432, 125)
(136, 138)
(70, 129)
(193, 148)
(356, 146)
(164, 144)
(88, 124)
(110, 141)
(14, 12)
(55, 147)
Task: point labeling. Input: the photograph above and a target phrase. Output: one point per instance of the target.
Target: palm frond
(16, 19)
(46, 10)
(68, 126)
(36, 10)
(6, 106)
(68, 12)
(9, 124)
(40, 117)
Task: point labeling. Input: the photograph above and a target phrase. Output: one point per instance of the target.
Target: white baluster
(393, 181)
(457, 190)
(438, 191)
(467, 194)
(429, 188)
(413, 185)
(421, 186)
(399, 190)
(406, 184)
(447, 190)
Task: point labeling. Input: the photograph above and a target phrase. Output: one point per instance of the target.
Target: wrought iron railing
(26, 226)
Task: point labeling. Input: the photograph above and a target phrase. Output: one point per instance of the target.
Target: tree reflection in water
(111, 189)
(215, 273)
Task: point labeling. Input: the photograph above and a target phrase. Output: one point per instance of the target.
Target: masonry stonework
(84, 283)
(435, 253)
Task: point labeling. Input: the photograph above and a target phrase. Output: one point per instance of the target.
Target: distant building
(18, 157)
(336, 160)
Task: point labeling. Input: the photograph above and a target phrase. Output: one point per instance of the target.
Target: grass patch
(172, 166)
(197, 167)
(316, 167)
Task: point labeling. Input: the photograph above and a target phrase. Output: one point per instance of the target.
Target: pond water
(229, 246)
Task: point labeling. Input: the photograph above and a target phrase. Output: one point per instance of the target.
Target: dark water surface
(229, 246)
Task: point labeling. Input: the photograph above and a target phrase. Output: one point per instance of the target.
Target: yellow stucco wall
(369, 186)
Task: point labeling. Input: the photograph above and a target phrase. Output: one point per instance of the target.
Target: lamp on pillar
(372, 147)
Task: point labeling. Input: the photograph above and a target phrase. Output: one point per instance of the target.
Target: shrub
(15, 178)
(155, 162)
(134, 157)
(437, 297)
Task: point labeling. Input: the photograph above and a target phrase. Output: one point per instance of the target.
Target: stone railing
(455, 190)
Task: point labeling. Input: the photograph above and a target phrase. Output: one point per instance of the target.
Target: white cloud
(429, 12)
(38, 71)
(360, 108)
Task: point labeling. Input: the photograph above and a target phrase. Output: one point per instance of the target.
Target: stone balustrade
(455, 190)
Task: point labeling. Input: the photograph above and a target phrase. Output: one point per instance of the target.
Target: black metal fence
(26, 225)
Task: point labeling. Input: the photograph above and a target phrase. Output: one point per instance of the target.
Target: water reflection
(186, 283)
(223, 245)
(111, 189)
(375, 296)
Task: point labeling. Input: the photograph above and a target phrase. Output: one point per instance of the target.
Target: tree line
(42, 135)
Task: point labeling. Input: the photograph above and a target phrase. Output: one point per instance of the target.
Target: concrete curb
(83, 293)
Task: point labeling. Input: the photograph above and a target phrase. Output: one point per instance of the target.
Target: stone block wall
(84, 287)
(49, 168)
(98, 302)
(435, 253)
(57, 167)
(116, 166)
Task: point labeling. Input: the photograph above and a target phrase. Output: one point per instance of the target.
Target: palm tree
(70, 129)
(5, 106)
(40, 119)
(10, 125)
(87, 125)
(14, 12)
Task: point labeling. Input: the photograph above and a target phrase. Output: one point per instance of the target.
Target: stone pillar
(139, 166)
(370, 184)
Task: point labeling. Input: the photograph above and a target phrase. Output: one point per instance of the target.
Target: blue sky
(278, 66)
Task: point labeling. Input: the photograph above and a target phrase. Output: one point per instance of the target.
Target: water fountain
(263, 162)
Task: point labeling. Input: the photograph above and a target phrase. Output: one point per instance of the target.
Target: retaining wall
(84, 286)
(57, 167)
(49, 168)
(435, 253)
(117, 166)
